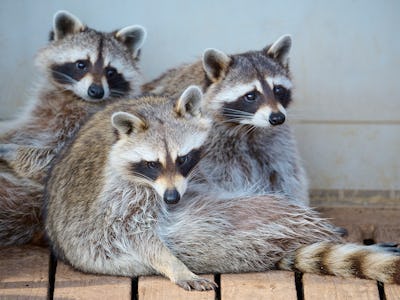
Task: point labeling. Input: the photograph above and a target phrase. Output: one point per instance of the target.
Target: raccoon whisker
(250, 130)
(141, 176)
(192, 174)
(194, 180)
(240, 127)
(117, 93)
(238, 116)
(236, 110)
(69, 78)
(232, 120)
(235, 115)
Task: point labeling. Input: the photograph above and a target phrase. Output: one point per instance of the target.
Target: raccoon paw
(197, 284)
(389, 247)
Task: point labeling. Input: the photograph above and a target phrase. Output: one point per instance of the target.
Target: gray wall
(345, 60)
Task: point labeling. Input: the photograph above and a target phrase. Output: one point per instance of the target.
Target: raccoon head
(92, 65)
(250, 88)
(159, 145)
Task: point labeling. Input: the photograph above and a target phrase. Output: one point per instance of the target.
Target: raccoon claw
(342, 231)
(197, 284)
(388, 245)
(392, 250)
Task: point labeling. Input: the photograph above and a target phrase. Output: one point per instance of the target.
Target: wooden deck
(24, 273)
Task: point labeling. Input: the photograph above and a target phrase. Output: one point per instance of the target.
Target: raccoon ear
(280, 49)
(127, 123)
(190, 102)
(133, 37)
(65, 23)
(215, 64)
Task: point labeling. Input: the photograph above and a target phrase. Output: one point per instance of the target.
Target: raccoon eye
(110, 72)
(186, 163)
(81, 65)
(280, 92)
(250, 97)
(152, 164)
(181, 160)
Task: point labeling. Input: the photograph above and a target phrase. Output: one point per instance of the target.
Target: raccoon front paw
(389, 247)
(197, 284)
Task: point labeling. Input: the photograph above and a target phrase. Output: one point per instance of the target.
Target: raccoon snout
(172, 196)
(276, 118)
(95, 91)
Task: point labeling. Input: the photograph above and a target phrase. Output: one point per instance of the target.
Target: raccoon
(259, 233)
(251, 149)
(80, 71)
(115, 205)
(108, 188)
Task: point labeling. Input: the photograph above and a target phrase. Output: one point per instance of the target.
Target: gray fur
(55, 112)
(103, 218)
(100, 215)
(242, 156)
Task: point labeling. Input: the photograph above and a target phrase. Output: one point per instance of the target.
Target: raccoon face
(160, 145)
(251, 88)
(94, 66)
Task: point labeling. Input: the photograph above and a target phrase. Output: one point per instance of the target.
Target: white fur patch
(192, 142)
(233, 93)
(260, 118)
(124, 152)
(282, 109)
(279, 80)
(178, 182)
(73, 54)
(80, 87)
(106, 88)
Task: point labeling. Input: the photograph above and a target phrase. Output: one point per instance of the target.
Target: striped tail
(375, 262)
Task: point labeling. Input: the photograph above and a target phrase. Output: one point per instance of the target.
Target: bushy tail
(20, 209)
(377, 262)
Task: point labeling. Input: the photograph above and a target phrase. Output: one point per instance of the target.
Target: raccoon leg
(170, 266)
(20, 209)
(27, 161)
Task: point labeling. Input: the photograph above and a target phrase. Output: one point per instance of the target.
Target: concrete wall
(345, 60)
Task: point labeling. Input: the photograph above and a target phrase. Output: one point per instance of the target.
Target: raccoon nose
(172, 196)
(276, 118)
(95, 91)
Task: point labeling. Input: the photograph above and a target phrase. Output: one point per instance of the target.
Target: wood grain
(270, 285)
(23, 272)
(330, 287)
(72, 284)
(392, 291)
(160, 288)
(377, 224)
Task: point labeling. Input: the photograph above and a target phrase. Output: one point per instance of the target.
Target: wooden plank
(72, 284)
(331, 287)
(159, 288)
(379, 224)
(388, 234)
(270, 285)
(392, 291)
(24, 272)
